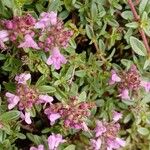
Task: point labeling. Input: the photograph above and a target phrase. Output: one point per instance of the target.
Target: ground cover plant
(75, 75)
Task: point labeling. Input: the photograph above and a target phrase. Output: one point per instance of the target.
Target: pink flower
(124, 94)
(46, 19)
(26, 117)
(3, 38)
(114, 78)
(116, 116)
(40, 147)
(54, 140)
(96, 144)
(146, 85)
(56, 59)
(100, 128)
(115, 143)
(53, 117)
(12, 100)
(28, 43)
(84, 127)
(22, 78)
(45, 99)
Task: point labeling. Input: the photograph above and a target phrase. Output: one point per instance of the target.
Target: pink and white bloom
(54, 140)
(3, 38)
(22, 78)
(146, 85)
(124, 94)
(84, 127)
(40, 147)
(114, 78)
(46, 20)
(56, 59)
(53, 117)
(28, 43)
(45, 99)
(115, 143)
(100, 128)
(12, 100)
(26, 117)
(116, 116)
(96, 144)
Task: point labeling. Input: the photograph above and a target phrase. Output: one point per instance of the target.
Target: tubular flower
(56, 59)
(54, 140)
(28, 43)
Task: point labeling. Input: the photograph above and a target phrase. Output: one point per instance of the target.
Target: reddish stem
(137, 18)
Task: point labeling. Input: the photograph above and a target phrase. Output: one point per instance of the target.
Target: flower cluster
(25, 97)
(128, 82)
(54, 141)
(106, 134)
(47, 33)
(73, 114)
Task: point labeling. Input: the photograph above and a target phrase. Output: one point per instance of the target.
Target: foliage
(102, 67)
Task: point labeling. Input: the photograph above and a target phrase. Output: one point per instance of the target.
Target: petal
(125, 94)
(49, 60)
(116, 78)
(54, 117)
(116, 116)
(46, 98)
(121, 142)
(27, 118)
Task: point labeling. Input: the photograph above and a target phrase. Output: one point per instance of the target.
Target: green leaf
(10, 115)
(34, 138)
(82, 97)
(142, 6)
(143, 131)
(146, 64)
(54, 5)
(2, 57)
(46, 89)
(133, 25)
(128, 15)
(70, 147)
(74, 89)
(127, 118)
(89, 31)
(94, 11)
(138, 46)
(80, 73)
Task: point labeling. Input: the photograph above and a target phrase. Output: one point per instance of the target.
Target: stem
(72, 76)
(97, 49)
(137, 18)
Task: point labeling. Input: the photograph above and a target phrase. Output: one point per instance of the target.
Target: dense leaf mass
(75, 74)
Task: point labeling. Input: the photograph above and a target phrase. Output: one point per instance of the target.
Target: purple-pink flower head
(115, 143)
(52, 116)
(116, 116)
(100, 128)
(3, 38)
(45, 99)
(146, 85)
(114, 78)
(96, 144)
(40, 147)
(106, 134)
(54, 141)
(124, 94)
(26, 117)
(46, 20)
(12, 100)
(56, 59)
(23, 78)
(28, 42)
